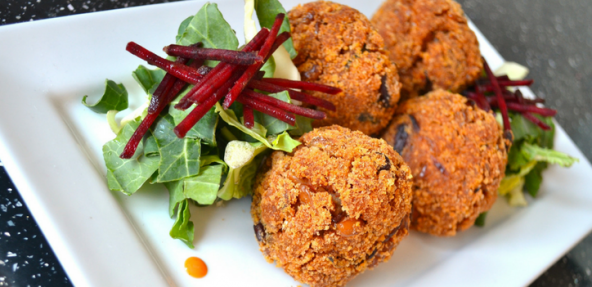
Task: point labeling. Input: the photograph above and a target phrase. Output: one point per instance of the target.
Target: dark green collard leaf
(209, 27)
(150, 146)
(303, 125)
(176, 195)
(179, 158)
(534, 179)
(127, 175)
(547, 137)
(266, 12)
(271, 124)
(183, 227)
(523, 129)
(205, 129)
(203, 188)
(148, 79)
(480, 221)
(114, 98)
(516, 158)
(182, 28)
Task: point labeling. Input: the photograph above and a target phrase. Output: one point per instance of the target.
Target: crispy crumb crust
(457, 156)
(337, 46)
(431, 43)
(336, 175)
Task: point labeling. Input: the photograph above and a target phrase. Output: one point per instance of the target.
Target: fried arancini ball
(336, 206)
(457, 155)
(338, 46)
(431, 44)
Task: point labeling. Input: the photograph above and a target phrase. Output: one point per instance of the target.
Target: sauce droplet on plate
(196, 267)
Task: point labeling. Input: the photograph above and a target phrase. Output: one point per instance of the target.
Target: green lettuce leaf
(209, 27)
(114, 98)
(183, 227)
(179, 158)
(303, 125)
(203, 188)
(148, 79)
(127, 175)
(480, 221)
(176, 195)
(510, 182)
(533, 180)
(266, 12)
(182, 28)
(524, 129)
(240, 158)
(537, 153)
(282, 142)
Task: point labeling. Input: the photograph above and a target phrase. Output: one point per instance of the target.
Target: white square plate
(51, 146)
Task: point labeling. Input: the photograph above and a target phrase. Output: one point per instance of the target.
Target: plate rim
(78, 269)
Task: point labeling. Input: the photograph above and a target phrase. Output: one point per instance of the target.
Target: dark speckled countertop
(552, 37)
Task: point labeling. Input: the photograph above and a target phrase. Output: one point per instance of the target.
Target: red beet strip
(536, 121)
(193, 117)
(304, 86)
(516, 107)
(226, 56)
(165, 98)
(275, 112)
(221, 73)
(305, 98)
(249, 117)
(481, 100)
(161, 92)
(313, 114)
(134, 141)
(167, 83)
(279, 40)
(489, 87)
(176, 69)
(500, 98)
(251, 70)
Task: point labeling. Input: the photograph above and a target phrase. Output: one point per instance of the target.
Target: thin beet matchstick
(536, 121)
(275, 112)
(304, 86)
(283, 105)
(251, 70)
(516, 107)
(208, 102)
(299, 96)
(226, 56)
(221, 73)
(500, 101)
(249, 117)
(180, 71)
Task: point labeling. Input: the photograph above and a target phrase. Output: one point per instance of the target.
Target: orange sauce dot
(346, 227)
(196, 267)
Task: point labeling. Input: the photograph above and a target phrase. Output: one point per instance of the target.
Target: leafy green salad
(218, 158)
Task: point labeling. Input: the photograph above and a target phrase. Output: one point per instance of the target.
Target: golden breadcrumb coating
(431, 44)
(457, 155)
(338, 46)
(336, 206)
